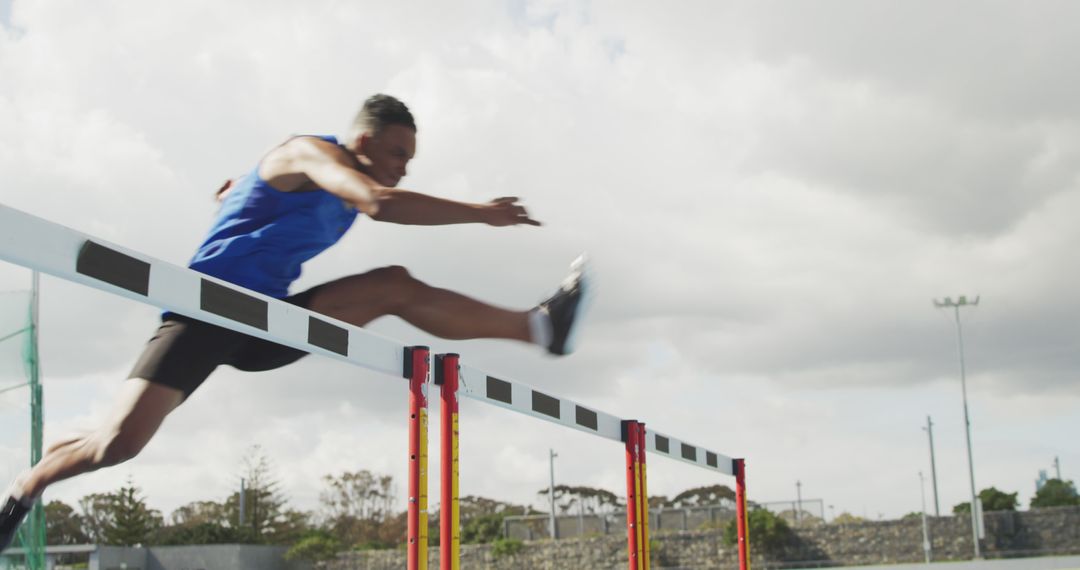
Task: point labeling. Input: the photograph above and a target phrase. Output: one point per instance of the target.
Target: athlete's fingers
(524, 219)
(505, 200)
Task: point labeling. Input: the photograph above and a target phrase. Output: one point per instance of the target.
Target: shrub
(767, 531)
(505, 547)
(314, 548)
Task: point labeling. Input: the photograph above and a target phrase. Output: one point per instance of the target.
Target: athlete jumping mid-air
(298, 201)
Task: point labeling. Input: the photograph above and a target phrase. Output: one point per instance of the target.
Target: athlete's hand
(507, 212)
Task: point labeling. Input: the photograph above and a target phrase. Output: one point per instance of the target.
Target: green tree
(132, 521)
(358, 507)
(767, 531)
(702, 496)
(471, 506)
(264, 503)
(995, 500)
(502, 547)
(590, 500)
(847, 518)
(63, 525)
(359, 494)
(202, 512)
(97, 512)
(991, 499)
(482, 529)
(1055, 493)
(205, 522)
(205, 533)
(291, 526)
(315, 547)
(482, 518)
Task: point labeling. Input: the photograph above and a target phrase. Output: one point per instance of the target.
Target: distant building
(1041, 480)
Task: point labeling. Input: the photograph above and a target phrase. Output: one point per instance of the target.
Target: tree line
(357, 511)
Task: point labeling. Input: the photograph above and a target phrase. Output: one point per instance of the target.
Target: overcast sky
(772, 193)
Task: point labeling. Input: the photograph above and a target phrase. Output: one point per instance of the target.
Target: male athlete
(298, 201)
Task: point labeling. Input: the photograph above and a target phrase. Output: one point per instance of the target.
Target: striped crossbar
(524, 399)
(51, 248)
(58, 250)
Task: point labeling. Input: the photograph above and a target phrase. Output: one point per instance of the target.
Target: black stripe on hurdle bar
(111, 266)
(689, 452)
(545, 404)
(710, 459)
(234, 305)
(662, 444)
(585, 418)
(325, 335)
(499, 390)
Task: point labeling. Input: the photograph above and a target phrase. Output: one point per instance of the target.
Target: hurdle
(74, 256)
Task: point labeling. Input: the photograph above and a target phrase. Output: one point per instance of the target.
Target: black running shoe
(11, 516)
(566, 307)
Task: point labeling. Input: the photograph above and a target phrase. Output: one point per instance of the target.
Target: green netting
(20, 420)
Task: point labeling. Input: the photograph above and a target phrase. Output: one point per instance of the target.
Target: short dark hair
(380, 111)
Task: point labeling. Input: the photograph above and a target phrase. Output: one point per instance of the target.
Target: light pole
(551, 493)
(948, 303)
(798, 497)
(925, 529)
(243, 503)
(933, 467)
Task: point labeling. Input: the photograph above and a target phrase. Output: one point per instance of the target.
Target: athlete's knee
(399, 287)
(394, 274)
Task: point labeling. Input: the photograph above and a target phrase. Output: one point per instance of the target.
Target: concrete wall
(118, 557)
(1036, 532)
(219, 557)
(205, 557)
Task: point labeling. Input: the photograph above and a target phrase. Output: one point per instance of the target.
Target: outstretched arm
(413, 208)
(303, 161)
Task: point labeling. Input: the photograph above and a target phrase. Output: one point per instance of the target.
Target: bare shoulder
(286, 166)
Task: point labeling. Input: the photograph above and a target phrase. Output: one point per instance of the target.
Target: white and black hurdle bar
(52, 248)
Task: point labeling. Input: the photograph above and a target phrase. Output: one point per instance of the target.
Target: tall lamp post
(929, 429)
(551, 494)
(925, 529)
(948, 303)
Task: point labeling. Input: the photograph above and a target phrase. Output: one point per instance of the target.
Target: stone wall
(1008, 534)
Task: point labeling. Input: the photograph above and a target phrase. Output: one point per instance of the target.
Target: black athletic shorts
(184, 351)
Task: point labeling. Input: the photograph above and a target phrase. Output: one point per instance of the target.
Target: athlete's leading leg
(360, 299)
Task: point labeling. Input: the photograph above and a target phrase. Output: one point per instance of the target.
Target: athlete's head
(383, 136)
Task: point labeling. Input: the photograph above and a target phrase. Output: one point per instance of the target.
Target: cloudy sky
(772, 193)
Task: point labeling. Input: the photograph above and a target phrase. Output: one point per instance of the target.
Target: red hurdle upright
(446, 376)
(643, 498)
(740, 513)
(636, 525)
(416, 370)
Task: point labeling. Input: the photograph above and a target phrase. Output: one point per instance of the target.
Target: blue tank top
(261, 236)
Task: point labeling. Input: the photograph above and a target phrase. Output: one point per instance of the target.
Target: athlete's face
(388, 152)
